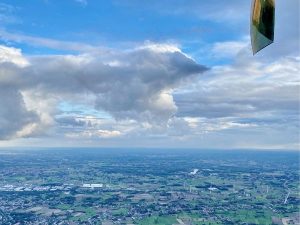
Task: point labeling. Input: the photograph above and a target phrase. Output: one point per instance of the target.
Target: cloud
(138, 87)
(252, 96)
(213, 10)
(95, 134)
(151, 94)
(15, 118)
(82, 2)
(12, 55)
(14, 115)
(228, 49)
(48, 43)
(7, 14)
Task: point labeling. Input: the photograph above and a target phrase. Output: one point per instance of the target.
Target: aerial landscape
(144, 186)
(149, 112)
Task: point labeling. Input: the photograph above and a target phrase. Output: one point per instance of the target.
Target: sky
(139, 73)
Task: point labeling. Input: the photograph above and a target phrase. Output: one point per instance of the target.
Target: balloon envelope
(262, 24)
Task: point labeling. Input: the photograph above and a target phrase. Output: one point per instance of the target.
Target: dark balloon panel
(262, 24)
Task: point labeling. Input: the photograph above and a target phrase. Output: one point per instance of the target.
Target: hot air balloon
(262, 24)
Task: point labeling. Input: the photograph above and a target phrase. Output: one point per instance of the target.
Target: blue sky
(119, 23)
(150, 74)
(110, 21)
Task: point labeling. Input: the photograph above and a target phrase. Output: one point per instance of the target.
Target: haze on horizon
(126, 73)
